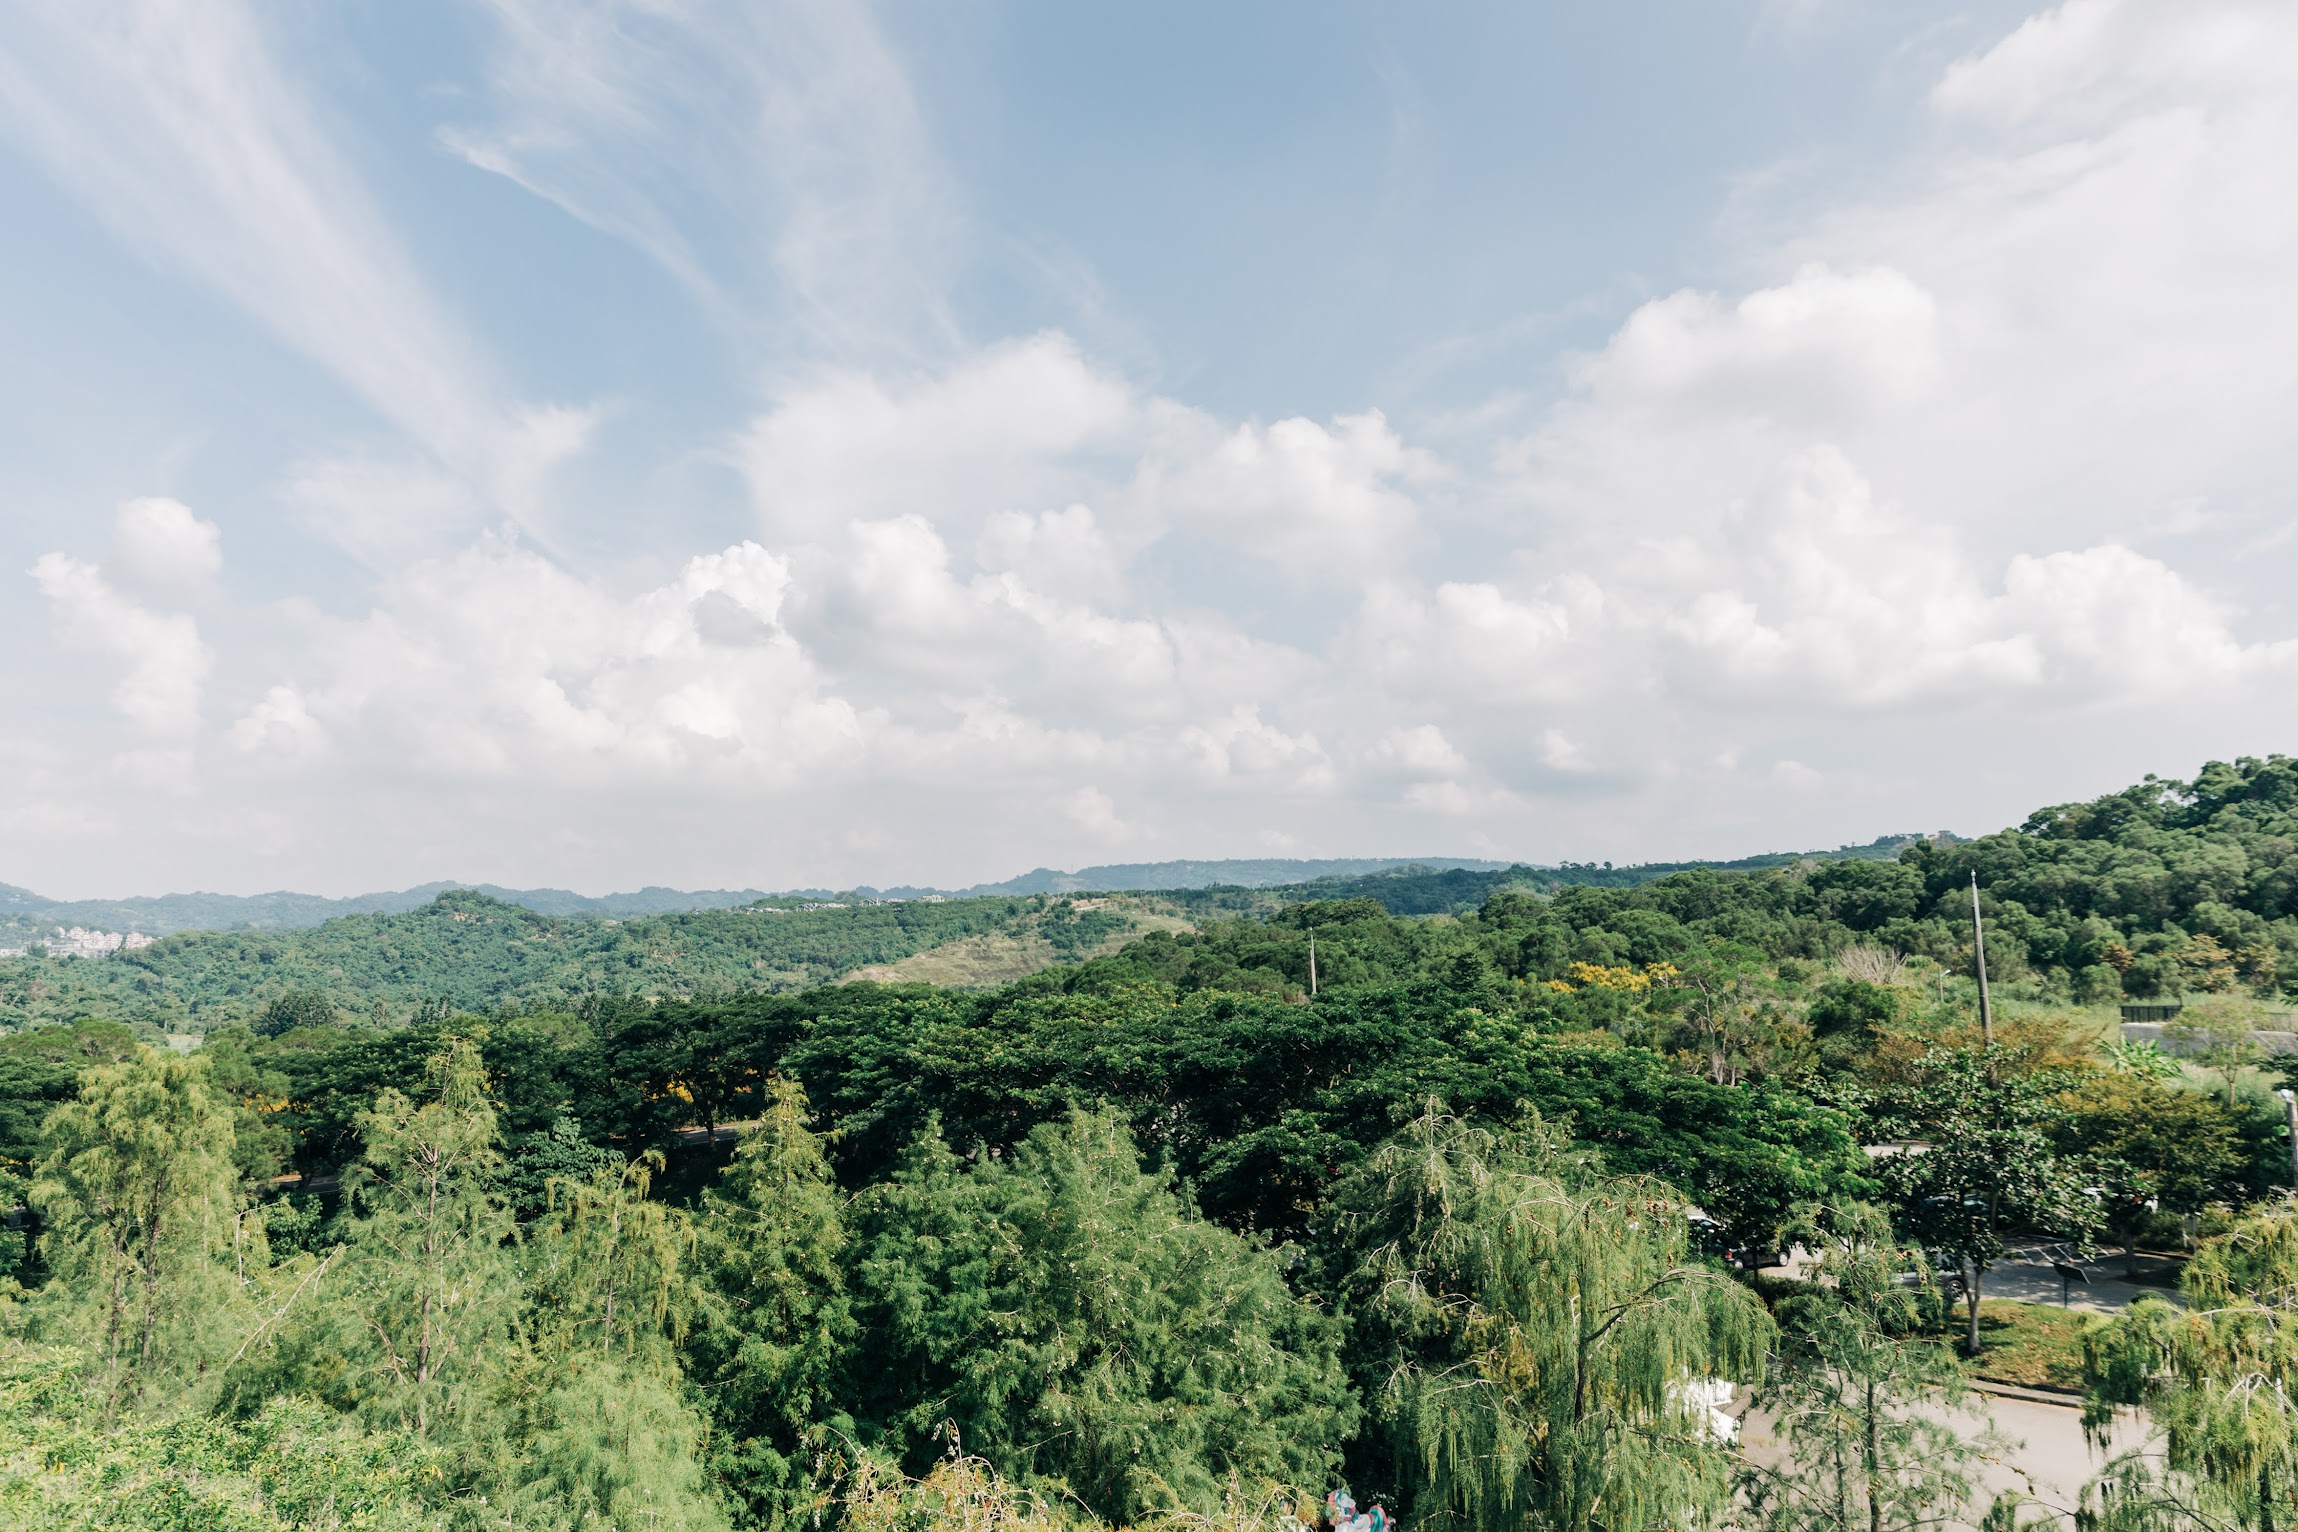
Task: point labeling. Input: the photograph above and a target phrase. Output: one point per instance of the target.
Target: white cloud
(712, 136)
(175, 123)
(1560, 752)
(1471, 642)
(1095, 812)
(1061, 551)
(384, 512)
(163, 664)
(2118, 623)
(2092, 65)
(280, 725)
(1795, 775)
(1787, 540)
(1819, 348)
(1016, 427)
(161, 543)
(1420, 751)
(1316, 501)
(1028, 446)
(496, 662)
(1244, 748)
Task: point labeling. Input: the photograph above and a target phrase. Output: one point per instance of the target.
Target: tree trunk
(1971, 1279)
(1874, 1465)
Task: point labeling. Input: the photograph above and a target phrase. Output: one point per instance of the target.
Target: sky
(771, 444)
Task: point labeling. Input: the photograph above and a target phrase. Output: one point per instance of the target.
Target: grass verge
(2034, 1345)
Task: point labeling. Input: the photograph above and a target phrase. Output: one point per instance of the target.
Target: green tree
(2147, 1144)
(1722, 1006)
(1982, 1164)
(40, 1071)
(607, 1435)
(1547, 1332)
(2220, 1032)
(2219, 1380)
(775, 1323)
(296, 1008)
(69, 1461)
(609, 1269)
(430, 1288)
(1063, 1310)
(148, 1251)
(1859, 1392)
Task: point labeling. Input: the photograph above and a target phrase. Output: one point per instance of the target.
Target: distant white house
(81, 942)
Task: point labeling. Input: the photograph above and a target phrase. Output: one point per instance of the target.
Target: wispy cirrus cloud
(771, 157)
(176, 123)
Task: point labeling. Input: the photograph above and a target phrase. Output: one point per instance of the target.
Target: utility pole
(1979, 950)
(1312, 965)
(2290, 1110)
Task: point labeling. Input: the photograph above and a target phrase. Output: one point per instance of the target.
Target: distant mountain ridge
(1154, 877)
(166, 914)
(22, 910)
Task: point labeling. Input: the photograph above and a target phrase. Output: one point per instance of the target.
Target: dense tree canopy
(1170, 1225)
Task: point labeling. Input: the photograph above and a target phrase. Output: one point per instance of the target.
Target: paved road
(2048, 1463)
(2105, 1293)
(2026, 1281)
(2051, 1462)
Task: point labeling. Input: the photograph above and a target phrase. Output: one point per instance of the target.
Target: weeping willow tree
(1862, 1395)
(1550, 1331)
(2216, 1378)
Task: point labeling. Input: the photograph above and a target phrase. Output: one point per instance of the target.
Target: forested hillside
(2163, 888)
(1187, 1229)
(465, 951)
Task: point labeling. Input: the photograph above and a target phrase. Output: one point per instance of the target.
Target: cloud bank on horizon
(702, 444)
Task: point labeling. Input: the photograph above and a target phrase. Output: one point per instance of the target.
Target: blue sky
(611, 443)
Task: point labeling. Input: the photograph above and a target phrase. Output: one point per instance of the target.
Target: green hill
(466, 951)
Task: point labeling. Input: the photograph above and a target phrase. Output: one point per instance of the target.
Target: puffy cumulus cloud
(497, 662)
(1471, 642)
(1921, 467)
(160, 542)
(2105, 230)
(162, 663)
(1017, 426)
(1420, 751)
(1244, 750)
(2095, 64)
(1095, 812)
(987, 449)
(279, 726)
(890, 611)
(1063, 551)
(1823, 347)
(1318, 501)
(1431, 775)
(2117, 623)
(1824, 599)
